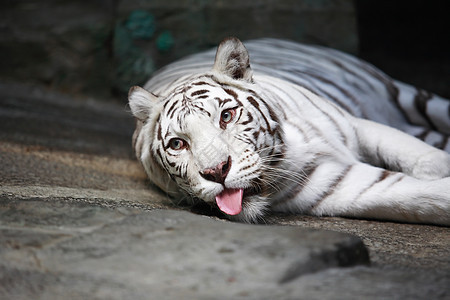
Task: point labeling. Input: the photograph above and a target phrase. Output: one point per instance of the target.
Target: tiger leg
(364, 191)
(395, 150)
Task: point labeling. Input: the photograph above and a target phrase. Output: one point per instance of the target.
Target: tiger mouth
(231, 201)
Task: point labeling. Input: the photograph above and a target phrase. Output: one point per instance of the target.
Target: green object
(141, 24)
(133, 65)
(165, 41)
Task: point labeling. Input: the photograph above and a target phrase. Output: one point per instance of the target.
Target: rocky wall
(103, 47)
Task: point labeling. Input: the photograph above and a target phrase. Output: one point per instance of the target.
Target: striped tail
(428, 111)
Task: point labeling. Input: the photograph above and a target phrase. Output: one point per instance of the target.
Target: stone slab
(74, 250)
(163, 252)
(351, 283)
(397, 245)
(33, 115)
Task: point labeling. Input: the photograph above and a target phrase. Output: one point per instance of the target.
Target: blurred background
(100, 48)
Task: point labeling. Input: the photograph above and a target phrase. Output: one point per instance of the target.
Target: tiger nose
(219, 173)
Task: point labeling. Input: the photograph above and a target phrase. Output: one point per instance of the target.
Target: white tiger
(300, 131)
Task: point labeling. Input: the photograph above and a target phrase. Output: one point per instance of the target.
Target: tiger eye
(177, 144)
(227, 115)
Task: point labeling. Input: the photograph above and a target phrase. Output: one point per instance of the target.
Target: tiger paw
(432, 166)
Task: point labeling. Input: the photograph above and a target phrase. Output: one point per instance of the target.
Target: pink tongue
(230, 201)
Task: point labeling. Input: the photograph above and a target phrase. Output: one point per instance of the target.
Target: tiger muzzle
(219, 173)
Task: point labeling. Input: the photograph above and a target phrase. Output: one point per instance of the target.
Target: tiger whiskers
(273, 175)
(189, 199)
(280, 178)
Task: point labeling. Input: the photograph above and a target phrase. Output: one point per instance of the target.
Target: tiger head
(212, 138)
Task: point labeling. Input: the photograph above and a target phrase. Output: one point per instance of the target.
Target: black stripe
(272, 114)
(256, 105)
(280, 100)
(330, 190)
(202, 110)
(199, 92)
(277, 158)
(161, 159)
(401, 177)
(172, 109)
(424, 134)
(200, 83)
(306, 174)
(222, 102)
(332, 120)
(336, 100)
(240, 115)
(172, 164)
(332, 83)
(343, 67)
(330, 56)
(391, 89)
(231, 93)
(320, 133)
(249, 120)
(384, 174)
(442, 143)
(159, 132)
(420, 103)
(246, 139)
(256, 134)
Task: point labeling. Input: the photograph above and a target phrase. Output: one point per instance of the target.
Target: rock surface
(78, 220)
(103, 46)
(168, 254)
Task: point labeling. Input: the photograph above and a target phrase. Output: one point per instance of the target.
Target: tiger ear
(141, 102)
(232, 59)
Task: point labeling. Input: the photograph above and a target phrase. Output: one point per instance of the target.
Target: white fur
(333, 163)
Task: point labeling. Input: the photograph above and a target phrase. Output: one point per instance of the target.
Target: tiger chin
(250, 142)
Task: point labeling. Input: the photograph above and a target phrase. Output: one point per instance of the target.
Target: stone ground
(78, 220)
